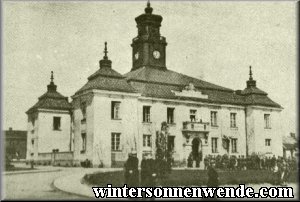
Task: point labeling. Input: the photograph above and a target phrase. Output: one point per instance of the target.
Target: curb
(29, 172)
(71, 184)
(60, 184)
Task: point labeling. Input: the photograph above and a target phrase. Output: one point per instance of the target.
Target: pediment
(190, 91)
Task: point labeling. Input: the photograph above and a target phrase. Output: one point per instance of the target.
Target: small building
(15, 143)
(49, 126)
(290, 146)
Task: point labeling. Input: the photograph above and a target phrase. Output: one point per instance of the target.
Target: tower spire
(148, 9)
(52, 78)
(51, 86)
(250, 73)
(105, 51)
(251, 82)
(105, 62)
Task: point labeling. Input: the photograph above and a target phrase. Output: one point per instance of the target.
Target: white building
(113, 114)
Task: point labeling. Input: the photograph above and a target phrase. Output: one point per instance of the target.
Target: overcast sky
(216, 41)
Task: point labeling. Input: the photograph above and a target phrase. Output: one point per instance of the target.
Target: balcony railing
(196, 126)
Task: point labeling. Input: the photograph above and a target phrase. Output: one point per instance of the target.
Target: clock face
(136, 55)
(156, 54)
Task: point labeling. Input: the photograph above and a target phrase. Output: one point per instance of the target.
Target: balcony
(189, 126)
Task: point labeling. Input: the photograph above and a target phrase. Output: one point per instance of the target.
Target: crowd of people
(151, 169)
(279, 167)
(253, 162)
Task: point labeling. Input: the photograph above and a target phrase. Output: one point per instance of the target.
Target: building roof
(106, 78)
(162, 83)
(164, 76)
(51, 100)
(15, 134)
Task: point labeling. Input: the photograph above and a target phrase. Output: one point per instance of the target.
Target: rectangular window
(267, 142)
(56, 123)
(146, 113)
(193, 115)
(83, 109)
(116, 141)
(234, 145)
(214, 145)
(115, 110)
(267, 120)
(213, 118)
(147, 142)
(83, 137)
(171, 143)
(170, 115)
(233, 120)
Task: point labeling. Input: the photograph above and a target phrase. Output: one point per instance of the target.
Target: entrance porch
(196, 143)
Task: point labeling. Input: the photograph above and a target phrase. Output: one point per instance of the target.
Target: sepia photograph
(149, 100)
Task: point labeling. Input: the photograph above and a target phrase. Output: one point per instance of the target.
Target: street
(35, 186)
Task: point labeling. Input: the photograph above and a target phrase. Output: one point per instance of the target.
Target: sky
(214, 41)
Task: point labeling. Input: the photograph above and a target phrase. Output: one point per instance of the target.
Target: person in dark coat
(206, 161)
(132, 171)
(213, 177)
(145, 171)
(153, 172)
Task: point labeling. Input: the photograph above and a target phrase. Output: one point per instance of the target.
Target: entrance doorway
(197, 150)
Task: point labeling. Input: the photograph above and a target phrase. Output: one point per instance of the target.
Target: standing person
(144, 170)
(276, 174)
(153, 172)
(206, 162)
(283, 173)
(213, 177)
(190, 161)
(132, 171)
(273, 161)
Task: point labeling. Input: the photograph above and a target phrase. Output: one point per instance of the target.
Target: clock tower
(149, 47)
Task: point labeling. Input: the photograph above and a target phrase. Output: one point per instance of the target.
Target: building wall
(105, 126)
(45, 138)
(257, 133)
(99, 127)
(81, 127)
(182, 114)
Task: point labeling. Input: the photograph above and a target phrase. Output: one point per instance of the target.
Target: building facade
(114, 114)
